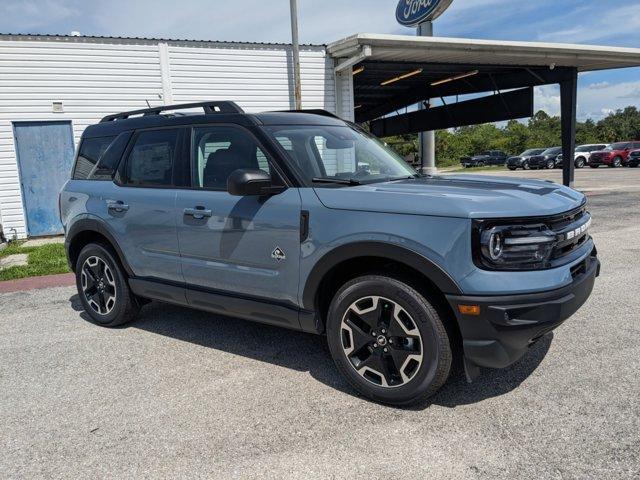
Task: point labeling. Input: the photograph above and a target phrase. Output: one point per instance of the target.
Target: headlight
(514, 247)
(520, 245)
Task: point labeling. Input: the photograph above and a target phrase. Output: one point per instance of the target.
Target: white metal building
(49, 81)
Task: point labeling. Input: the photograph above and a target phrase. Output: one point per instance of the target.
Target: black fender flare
(405, 256)
(93, 224)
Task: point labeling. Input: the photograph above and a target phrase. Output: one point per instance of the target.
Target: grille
(571, 229)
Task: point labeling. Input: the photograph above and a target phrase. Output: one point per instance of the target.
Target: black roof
(154, 117)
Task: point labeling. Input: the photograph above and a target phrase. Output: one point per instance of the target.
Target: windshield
(618, 146)
(588, 148)
(552, 151)
(532, 151)
(339, 153)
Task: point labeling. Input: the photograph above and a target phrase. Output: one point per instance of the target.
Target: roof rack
(224, 106)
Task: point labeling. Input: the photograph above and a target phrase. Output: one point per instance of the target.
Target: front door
(244, 247)
(45, 157)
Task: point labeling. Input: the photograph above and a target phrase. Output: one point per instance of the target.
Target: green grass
(43, 260)
(490, 168)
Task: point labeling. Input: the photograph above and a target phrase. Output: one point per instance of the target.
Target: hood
(463, 196)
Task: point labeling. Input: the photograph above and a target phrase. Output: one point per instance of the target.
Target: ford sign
(413, 12)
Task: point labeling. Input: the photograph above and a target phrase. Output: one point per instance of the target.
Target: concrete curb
(34, 283)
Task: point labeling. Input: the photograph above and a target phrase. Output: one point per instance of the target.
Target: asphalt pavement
(185, 394)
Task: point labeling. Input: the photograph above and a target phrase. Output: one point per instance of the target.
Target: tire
(594, 166)
(480, 164)
(526, 166)
(512, 168)
(376, 365)
(580, 162)
(617, 162)
(551, 165)
(103, 288)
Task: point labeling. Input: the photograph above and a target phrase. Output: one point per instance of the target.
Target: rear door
(140, 207)
(237, 246)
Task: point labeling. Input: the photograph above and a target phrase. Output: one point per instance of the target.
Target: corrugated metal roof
(80, 38)
(398, 48)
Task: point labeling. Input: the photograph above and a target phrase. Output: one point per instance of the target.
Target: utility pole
(296, 54)
(427, 139)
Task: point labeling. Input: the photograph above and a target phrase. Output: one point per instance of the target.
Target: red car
(615, 155)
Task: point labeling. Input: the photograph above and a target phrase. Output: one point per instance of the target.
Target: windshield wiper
(341, 181)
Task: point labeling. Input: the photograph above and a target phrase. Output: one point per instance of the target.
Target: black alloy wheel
(103, 287)
(388, 340)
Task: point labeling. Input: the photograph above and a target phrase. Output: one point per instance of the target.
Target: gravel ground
(180, 393)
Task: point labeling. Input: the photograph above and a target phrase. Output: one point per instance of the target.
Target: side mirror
(249, 182)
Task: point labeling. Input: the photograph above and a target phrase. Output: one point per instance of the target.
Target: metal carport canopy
(397, 71)
(405, 48)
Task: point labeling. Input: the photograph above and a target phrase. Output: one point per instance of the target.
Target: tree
(541, 131)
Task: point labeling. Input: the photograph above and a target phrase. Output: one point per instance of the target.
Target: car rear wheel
(388, 340)
(103, 288)
(580, 161)
(594, 166)
(617, 162)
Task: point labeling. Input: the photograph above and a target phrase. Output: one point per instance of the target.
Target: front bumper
(508, 325)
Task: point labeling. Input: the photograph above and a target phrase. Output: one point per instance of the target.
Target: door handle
(118, 206)
(198, 212)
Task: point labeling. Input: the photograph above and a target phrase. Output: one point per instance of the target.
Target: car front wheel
(103, 288)
(388, 340)
(617, 162)
(551, 165)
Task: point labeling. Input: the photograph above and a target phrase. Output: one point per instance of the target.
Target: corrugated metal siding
(258, 78)
(96, 77)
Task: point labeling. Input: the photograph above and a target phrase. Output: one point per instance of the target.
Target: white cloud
(547, 98)
(20, 16)
(597, 103)
(599, 86)
(615, 22)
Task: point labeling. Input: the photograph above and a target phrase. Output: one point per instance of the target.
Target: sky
(598, 22)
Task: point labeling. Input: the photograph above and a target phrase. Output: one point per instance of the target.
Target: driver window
(220, 150)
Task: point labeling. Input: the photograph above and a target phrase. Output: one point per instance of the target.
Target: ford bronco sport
(302, 220)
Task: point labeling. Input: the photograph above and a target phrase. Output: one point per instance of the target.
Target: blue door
(45, 158)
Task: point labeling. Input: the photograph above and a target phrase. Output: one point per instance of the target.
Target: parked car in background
(490, 157)
(615, 155)
(582, 153)
(634, 158)
(522, 160)
(546, 159)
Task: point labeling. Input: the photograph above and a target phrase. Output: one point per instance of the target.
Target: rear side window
(98, 158)
(150, 161)
(91, 149)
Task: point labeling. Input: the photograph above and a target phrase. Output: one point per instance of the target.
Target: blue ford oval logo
(413, 12)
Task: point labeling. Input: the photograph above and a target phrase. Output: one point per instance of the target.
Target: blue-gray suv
(302, 220)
